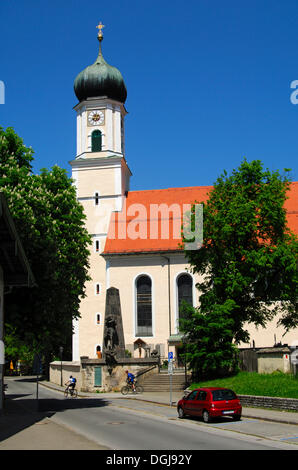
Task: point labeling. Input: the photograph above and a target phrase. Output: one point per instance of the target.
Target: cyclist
(71, 384)
(131, 380)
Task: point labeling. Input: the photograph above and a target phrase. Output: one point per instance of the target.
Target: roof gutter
(155, 252)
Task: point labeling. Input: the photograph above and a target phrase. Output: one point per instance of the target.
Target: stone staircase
(161, 382)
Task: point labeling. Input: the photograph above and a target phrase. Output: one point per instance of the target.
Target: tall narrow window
(144, 306)
(97, 289)
(184, 285)
(96, 141)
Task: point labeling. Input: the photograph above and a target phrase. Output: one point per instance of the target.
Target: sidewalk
(22, 429)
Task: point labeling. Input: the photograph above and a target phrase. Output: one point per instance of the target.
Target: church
(135, 234)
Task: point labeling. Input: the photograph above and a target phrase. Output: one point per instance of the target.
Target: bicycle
(70, 391)
(129, 388)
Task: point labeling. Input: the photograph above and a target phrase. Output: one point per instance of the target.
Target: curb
(272, 420)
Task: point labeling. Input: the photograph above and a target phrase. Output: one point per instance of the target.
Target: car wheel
(181, 413)
(206, 417)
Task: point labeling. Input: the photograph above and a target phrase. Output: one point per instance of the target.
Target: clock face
(95, 118)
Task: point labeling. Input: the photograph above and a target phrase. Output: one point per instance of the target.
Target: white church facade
(134, 249)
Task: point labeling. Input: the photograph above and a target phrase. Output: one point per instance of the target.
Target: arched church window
(144, 306)
(184, 286)
(96, 141)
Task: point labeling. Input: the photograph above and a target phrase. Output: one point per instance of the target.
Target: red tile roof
(138, 228)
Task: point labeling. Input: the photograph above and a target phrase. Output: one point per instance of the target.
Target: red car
(210, 402)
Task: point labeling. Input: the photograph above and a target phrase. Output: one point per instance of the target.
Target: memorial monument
(113, 336)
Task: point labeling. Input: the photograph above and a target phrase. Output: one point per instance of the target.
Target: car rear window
(223, 395)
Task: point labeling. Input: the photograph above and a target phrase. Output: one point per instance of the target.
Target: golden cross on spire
(100, 26)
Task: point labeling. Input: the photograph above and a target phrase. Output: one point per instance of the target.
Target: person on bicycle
(131, 380)
(71, 383)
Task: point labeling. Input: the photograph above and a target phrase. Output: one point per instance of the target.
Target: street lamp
(61, 352)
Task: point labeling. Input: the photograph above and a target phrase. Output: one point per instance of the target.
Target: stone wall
(93, 376)
(290, 404)
(68, 368)
(115, 380)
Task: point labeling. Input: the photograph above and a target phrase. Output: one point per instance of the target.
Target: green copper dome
(100, 79)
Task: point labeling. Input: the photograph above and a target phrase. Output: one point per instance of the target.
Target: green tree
(50, 222)
(209, 349)
(248, 260)
(16, 350)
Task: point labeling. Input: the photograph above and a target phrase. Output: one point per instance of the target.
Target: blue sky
(208, 82)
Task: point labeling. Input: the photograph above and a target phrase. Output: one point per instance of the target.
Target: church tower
(101, 177)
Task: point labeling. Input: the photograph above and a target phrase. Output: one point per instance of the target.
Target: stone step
(166, 375)
(159, 388)
(161, 383)
(175, 371)
(164, 382)
(165, 390)
(164, 378)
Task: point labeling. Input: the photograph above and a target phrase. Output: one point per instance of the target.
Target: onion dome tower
(101, 92)
(100, 79)
(101, 177)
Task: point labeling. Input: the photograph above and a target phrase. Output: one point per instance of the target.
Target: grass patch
(276, 384)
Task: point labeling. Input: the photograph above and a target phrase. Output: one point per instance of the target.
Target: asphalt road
(125, 424)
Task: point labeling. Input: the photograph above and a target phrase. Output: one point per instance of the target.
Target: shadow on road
(27, 379)
(50, 405)
(20, 412)
(217, 420)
